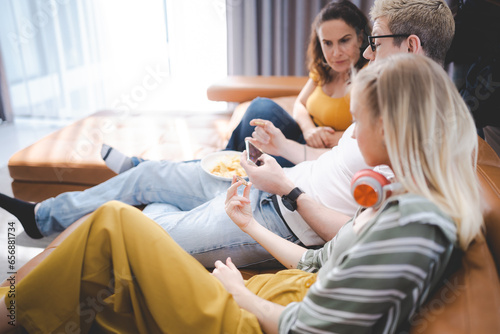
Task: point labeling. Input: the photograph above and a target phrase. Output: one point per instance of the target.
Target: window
(70, 58)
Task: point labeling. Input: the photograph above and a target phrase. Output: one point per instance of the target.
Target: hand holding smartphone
(253, 153)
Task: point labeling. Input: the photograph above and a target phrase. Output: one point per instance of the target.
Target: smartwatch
(290, 200)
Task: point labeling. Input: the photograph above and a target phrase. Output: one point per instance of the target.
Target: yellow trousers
(120, 272)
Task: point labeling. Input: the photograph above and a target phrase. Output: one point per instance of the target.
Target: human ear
(380, 126)
(413, 43)
(360, 39)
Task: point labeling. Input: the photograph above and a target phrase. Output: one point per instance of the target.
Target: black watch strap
(290, 200)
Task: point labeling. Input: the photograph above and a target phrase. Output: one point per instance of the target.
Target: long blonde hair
(429, 134)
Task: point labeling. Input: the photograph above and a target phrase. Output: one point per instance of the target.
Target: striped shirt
(374, 281)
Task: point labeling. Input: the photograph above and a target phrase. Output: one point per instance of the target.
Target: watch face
(288, 203)
(290, 200)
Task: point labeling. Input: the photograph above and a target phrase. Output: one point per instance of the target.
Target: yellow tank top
(329, 111)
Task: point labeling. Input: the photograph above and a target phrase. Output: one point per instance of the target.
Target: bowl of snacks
(223, 165)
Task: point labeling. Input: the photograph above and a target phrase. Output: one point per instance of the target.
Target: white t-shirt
(327, 180)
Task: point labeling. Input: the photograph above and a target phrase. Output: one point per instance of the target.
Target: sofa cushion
(468, 301)
(70, 157)
(488, 171)
(245, 88)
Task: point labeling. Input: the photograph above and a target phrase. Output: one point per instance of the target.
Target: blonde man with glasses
(418, 26)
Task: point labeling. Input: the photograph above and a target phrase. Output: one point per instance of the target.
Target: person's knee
(261, 107)
(116, 215)
(112, 207)
(147, 170)
(261, 103)
(148, 166)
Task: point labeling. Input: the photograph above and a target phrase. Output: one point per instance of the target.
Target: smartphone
(253, 153)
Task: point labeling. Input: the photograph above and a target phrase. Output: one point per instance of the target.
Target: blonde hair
(429, 134)
(431, 20)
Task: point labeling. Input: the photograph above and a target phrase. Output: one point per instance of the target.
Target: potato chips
(228, 166)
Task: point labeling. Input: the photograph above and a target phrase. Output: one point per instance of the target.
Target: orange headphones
(370, 188)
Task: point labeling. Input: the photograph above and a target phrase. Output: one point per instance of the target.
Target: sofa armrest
(246, 88)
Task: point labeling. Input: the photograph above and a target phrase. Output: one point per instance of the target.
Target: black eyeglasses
(372, 43)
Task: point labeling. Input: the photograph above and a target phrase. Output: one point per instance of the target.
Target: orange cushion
(469, 301)
(72, 154)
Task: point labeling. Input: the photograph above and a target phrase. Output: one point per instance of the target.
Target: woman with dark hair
(321, 111)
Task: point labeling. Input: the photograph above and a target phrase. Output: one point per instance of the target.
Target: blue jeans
(267, 109)
(184, 200)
